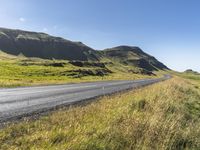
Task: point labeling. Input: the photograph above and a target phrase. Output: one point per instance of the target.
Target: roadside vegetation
(192, 76)
(21, 71)
(163, 116)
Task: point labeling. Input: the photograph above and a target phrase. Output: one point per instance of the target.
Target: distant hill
(191, 71)
(134, 56)
(42, 45)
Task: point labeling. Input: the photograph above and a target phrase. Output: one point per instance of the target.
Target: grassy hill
(134, 56)
(24, 71)
(190, 71)
(32, 58)
(42, 45)
(33, 44)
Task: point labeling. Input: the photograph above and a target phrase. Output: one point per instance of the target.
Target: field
(162, 116)
(20, 71)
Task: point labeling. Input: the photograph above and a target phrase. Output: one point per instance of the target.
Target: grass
(21, 71)
(190, 76)
(163, 116)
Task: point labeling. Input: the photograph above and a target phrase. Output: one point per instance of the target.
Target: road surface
(16, 103)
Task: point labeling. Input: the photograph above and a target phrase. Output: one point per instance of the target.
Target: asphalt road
(16, 103)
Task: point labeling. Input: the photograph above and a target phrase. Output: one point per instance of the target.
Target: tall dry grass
(163, 116)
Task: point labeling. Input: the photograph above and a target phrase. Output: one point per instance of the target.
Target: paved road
(18, 102)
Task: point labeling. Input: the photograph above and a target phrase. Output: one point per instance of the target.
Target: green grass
(191, 76)
(21, 71)
(163, 116)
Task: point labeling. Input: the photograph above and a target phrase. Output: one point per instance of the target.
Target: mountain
(130, 55)
(33, 44)
(191, 71)
(42, 45)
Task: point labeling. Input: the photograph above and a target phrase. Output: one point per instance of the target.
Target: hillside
(33, 44)
(42, 45)
(191, 71)
(32, 58)
(134, 56)
(24, 71)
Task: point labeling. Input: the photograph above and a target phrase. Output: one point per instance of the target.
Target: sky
(166, 29)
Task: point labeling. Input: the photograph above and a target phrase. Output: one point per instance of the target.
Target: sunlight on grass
(161, 116)
(20, 71)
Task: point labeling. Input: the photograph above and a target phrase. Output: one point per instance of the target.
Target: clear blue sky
(166, 29)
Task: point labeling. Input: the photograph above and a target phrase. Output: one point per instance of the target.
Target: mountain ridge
(42, 45)
(45, 46)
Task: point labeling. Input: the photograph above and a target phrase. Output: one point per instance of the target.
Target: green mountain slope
(190, 71)
(41, 45)
(134, 56)
(33, 44)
